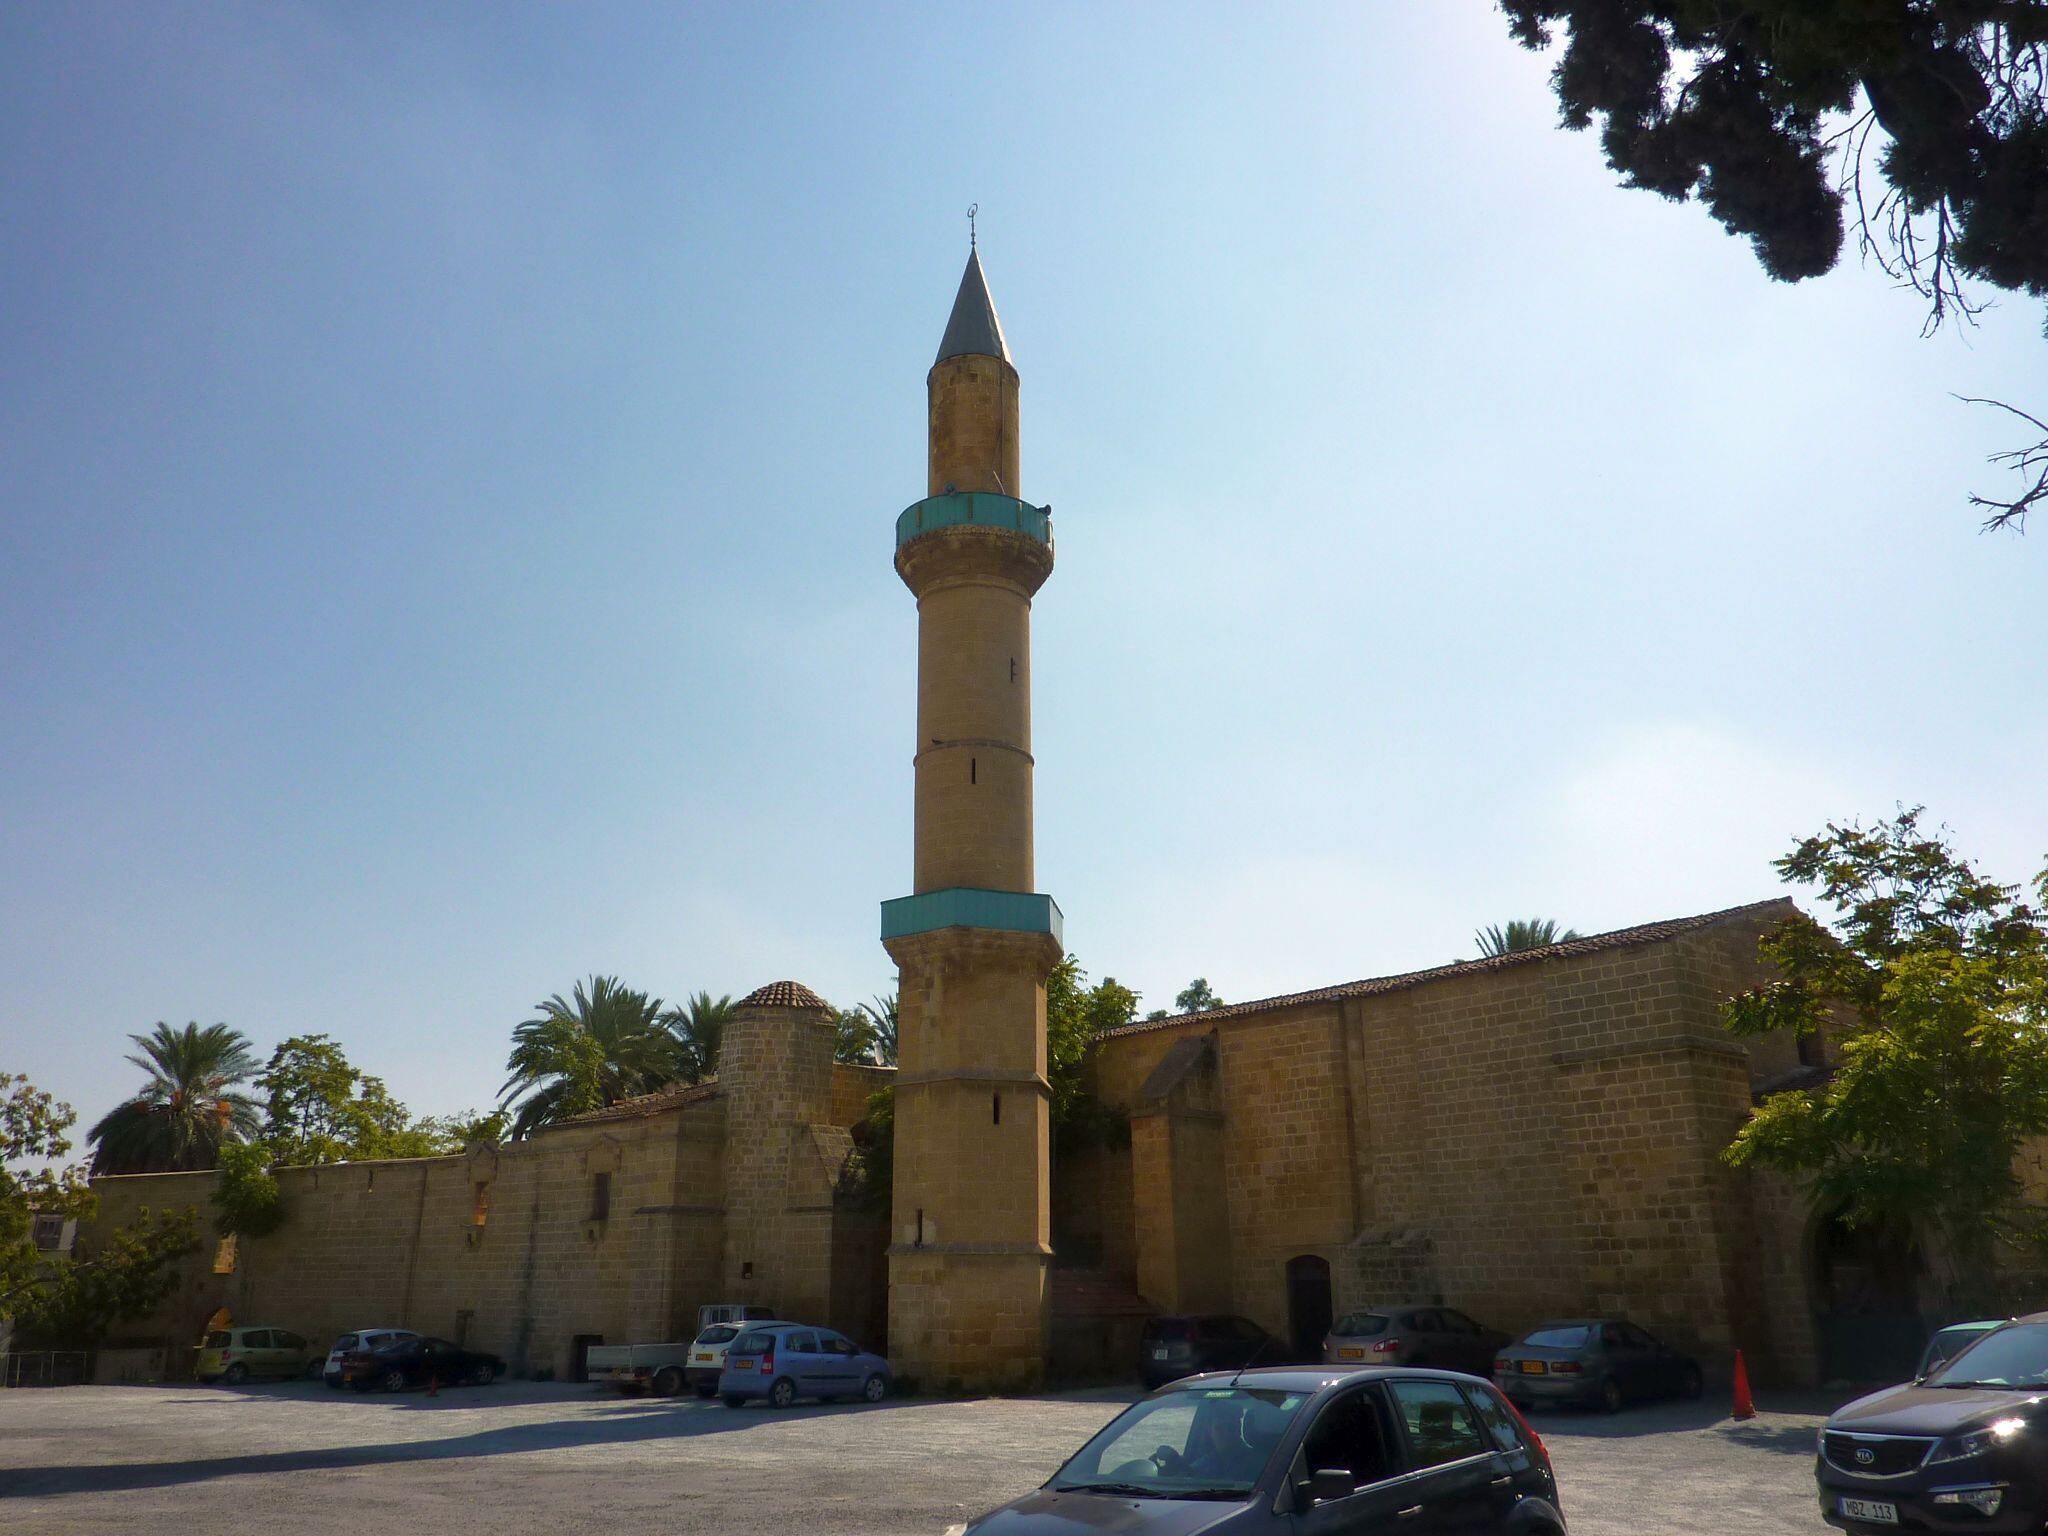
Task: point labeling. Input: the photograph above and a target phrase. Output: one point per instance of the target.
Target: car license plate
(1158, 1354)
(704, 1359)
(1535, 1368)
(1350, 1354)
(1871, 1509)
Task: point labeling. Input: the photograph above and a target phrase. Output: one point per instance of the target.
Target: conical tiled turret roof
(973, 326)
(782, 994)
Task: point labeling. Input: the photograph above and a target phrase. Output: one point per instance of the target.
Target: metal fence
(46, 1368)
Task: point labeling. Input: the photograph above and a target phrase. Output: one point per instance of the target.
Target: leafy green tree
(853, 1036)
(246, 1199)
(473, 1127)
(71, 1301)
(1197, 997)
(1534, 933)
(1076, 1014)
(189, 1107)
(318, 1108)
(699, 1025)
(1932, 989)
(608, 1044)
(1925, 120)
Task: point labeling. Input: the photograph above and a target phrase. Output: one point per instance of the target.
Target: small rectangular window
(996, 1107)
(224, 1256)
(970, 770)
(601, 1197)
(480, 1212)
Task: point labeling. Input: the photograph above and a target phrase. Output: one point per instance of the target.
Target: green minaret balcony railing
(983, 509)
(964, 907)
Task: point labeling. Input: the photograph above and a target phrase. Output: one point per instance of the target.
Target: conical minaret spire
(973, 330)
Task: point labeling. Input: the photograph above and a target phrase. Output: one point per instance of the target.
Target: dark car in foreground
(1302, 1449)
(1951, 1341)
(419, 1362)
(1966, 1449)
(1173, 1347)
(1594, 1362)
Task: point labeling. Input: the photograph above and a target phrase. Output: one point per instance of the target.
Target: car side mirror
(1330, 1483)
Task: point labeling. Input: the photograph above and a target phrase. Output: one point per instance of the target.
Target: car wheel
(734, 1400)
(668, 1381)
(1610, 1395)
(875, 1388)
(393, 1380)
(482, 1374)
(782, 1394)
(235, 1374)
(316, 1370)
(1689, 1383)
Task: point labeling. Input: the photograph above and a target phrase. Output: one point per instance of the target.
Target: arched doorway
(1308, 1305)
(1866, 1300)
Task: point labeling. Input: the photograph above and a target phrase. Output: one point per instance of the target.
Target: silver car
(1412, 1334)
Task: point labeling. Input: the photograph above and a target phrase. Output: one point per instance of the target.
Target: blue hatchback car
(785, 1361)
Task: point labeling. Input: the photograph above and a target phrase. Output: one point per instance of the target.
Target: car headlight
(1977, 1442)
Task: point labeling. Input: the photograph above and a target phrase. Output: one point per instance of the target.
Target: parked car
(416, 1362)
(236, 1355)
(1951, 1341)
(1413, 1335)
(1172, 1347)
(785, 1361)
(1597, 1362)
(361, 1339)
(1291, 1449)
(707, 1357)
(1966, 1449)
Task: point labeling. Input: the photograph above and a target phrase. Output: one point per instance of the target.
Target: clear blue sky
(448, 460)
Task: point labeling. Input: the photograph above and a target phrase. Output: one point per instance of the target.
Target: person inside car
(1217, 1450)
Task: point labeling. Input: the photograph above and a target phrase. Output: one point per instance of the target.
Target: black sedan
(1964, 1450)
(419, 1363)
(1597, 1362)
(1296, 1450)
(1173, 1347)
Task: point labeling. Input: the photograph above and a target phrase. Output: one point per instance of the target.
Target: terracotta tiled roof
(783, 994)
(1593, 943)
(674, 1096)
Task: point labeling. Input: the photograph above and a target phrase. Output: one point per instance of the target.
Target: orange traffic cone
(1745, 1405)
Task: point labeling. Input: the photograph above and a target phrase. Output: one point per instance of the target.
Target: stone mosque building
(1526, 1136)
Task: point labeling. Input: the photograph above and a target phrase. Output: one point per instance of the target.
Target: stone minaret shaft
(974, 943)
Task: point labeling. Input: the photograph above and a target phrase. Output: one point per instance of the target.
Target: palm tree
(608, 1044)
(186, 1110)
(1536, 933)
(699, 1025)
(882, 1019)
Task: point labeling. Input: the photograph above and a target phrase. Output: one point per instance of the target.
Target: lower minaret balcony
(963, 907)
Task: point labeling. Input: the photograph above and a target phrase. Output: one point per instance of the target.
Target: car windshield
(1558, 1338)
(1360, 1325)
(2015, 1356)
(718, 1333)
(1205, 1444)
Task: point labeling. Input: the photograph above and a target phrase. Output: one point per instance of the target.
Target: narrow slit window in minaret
(1013, 669)
(970, 771)
(996, 1107)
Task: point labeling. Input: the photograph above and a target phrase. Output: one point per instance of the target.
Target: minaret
(974, 944)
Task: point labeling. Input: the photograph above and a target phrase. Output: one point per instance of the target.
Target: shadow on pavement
(638, 1421)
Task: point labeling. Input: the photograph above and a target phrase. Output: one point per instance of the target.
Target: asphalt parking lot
(518, 1458)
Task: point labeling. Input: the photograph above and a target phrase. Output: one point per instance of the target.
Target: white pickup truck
(656, 1368)
(664, 1369)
